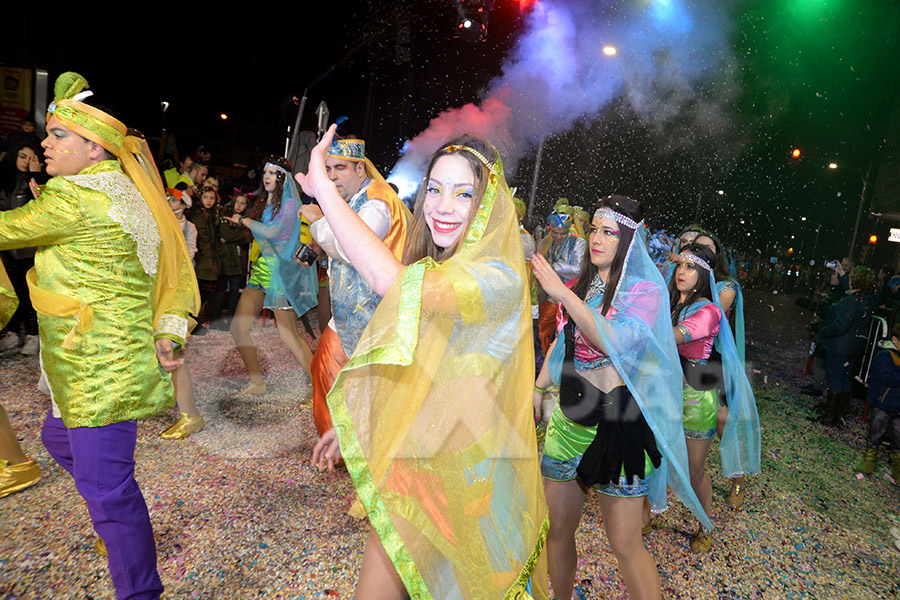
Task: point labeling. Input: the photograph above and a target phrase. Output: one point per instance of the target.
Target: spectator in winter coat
(884, 405)
(843, 337)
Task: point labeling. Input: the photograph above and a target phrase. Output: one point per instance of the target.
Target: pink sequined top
(588, 356)
(699, 331)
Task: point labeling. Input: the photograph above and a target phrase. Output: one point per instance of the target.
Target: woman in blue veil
(618, 427)
(277, 281)
(731, 300)
(701, 328)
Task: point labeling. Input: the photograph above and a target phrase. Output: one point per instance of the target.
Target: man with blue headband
(565, 253)
(352, 300)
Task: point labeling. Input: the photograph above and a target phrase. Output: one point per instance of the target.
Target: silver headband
(277, 168)
(617, 217)
(693, 258)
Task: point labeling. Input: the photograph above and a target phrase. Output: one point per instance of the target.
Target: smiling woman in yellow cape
(433, 415)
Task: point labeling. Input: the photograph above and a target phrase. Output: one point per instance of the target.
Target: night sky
(821, 75)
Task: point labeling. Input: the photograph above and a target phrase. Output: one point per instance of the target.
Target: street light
(608, 51)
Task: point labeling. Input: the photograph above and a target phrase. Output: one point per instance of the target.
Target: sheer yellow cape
(433, 415)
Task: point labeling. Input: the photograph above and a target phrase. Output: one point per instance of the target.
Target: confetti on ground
(239, 512)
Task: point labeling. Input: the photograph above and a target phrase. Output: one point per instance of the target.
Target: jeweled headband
(617, 217)
(693, 258)
(352, 150)
(492, 167)
(278, 168)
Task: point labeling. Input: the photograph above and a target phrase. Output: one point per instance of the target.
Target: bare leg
(248, 307)
(697, 452)
(378, 580)
(565, 499)
(645, 512)
(622, 521)
(10, 450)
(184, 391)
(287, 330)
(721, 417)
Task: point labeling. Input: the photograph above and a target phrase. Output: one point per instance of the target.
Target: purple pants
(101, 460)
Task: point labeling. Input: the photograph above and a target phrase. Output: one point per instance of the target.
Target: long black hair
(721, 264)
(631, 209)
(703, 289)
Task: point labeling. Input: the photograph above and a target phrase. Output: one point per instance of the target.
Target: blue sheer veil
(299, 284)
(740, 446)
(739, 332)
(640, 342)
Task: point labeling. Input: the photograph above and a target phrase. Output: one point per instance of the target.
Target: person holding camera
(843, 338)
(352, 300)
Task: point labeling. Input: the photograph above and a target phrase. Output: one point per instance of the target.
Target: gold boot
(735, 498)
(183, 427)
(100, 547)
(15, 478)
(702, 542)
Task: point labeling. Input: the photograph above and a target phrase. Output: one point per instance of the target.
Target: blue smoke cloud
(558, 75)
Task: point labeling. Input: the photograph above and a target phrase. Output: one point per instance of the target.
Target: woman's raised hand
(547, 277)
(316, 177)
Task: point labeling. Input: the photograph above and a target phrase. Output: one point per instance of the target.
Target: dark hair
(700, 229)
(895, 331)
(262, 196)
(721, 261)
(228, 209)
(703, 289)
(210, 214)
(631, 209)
(419, 243)
(862, 279)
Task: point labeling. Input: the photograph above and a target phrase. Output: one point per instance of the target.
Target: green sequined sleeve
(47, 220)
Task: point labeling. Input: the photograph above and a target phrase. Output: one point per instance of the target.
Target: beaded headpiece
(87, 121)
(617, 217)
(693, 258)
(278, 168)
(279, 164)
(350, 149)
